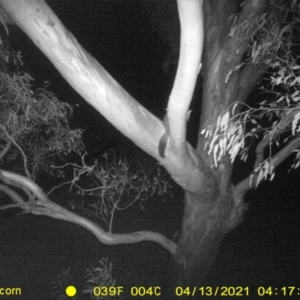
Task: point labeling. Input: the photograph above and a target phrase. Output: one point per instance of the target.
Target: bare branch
(285, 152)
(14, 196)
(55, 211)
(24, 183)
(241, 188)
(44, 206)
(17, 185)
(191, 45)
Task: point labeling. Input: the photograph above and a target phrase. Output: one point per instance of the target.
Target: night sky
(119, 35)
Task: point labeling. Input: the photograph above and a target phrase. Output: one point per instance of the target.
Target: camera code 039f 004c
(209, 291)
(135, 291)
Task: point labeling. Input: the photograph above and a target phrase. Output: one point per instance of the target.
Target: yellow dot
(71, 291)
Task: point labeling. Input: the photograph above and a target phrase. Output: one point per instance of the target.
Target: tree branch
(44, 206)
(100, 90)
(17, 185)
(241, 188)
(282, 126)
(191, 46)
(14, 196)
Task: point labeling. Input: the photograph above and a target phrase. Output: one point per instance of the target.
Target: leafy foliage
(34, 125)
(274, 122)
(274, 40)
(100, 276)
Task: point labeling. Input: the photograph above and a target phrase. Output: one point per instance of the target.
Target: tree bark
(203, 228)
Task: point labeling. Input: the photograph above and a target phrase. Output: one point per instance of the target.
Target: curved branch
(44, 206)
(57, 212)
(183, 163)
(18, 185)
(24, 183)
(13, 195)
(191, 46)
(241, 188)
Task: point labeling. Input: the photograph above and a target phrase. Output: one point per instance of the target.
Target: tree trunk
(202, 230)
(209, 217)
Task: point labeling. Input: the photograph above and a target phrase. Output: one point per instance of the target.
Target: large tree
(238, 46)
